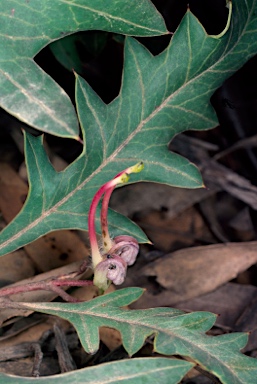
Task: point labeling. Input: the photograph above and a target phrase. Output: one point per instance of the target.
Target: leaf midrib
(37, 102)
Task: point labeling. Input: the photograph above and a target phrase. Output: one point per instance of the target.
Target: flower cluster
(111, 260)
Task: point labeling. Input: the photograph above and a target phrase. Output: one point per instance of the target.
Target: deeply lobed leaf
(176, 333)
(26, 27)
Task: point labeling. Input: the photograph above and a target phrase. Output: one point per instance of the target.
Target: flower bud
(112, 268)
(126, 247)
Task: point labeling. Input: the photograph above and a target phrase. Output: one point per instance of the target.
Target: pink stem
(72, 283)
(52, 285)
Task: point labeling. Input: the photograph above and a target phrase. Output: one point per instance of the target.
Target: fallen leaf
(229, 301)
(56, 249)
(172, 233)
(14, 267)
(145, 197)
(191, 272)
(13, 192)
(110, 337)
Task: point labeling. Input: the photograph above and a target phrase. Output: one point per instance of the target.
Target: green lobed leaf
(176, 333)
(160, 97)
(26, 27)
(134, 371)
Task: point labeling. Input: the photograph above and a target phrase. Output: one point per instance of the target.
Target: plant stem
(49, 285)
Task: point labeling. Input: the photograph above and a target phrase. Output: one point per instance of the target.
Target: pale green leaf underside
(160, 97)
(134, 371)
(27, 26)
(176, 333)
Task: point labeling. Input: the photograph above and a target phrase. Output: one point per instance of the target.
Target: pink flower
(110, 265)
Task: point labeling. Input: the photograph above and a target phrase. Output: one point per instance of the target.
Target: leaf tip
(79, 140)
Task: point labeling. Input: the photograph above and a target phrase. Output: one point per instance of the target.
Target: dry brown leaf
(110, 337)
(171, 233)
(229, 301)
(191, 272)
(13, 192)
(56, 249)
(14, 267)
(145, 197)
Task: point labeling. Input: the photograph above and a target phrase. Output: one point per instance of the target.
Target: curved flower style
(111, 264)
(107, 242)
